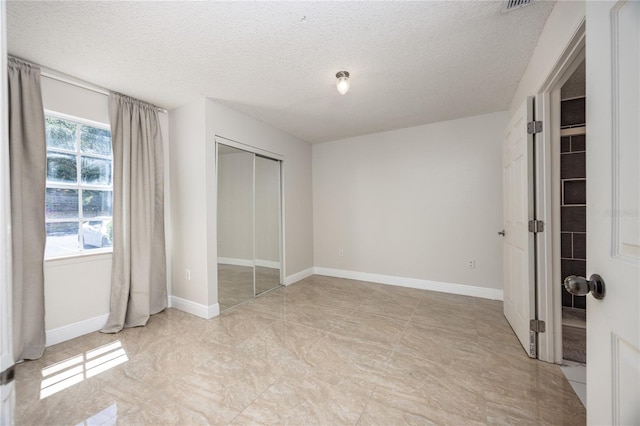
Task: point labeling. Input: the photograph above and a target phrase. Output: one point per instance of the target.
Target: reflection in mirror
(267, 224)
(235, 226)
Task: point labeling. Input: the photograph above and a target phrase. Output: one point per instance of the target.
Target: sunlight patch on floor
(74, 370)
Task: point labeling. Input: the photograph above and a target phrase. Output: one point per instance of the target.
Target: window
(79, 194)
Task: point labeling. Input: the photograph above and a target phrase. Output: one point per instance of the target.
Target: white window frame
(79, 186)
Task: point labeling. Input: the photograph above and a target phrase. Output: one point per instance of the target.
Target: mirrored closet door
(249, 225)
(267, 224)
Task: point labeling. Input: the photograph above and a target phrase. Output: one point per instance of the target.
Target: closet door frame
(281, 223)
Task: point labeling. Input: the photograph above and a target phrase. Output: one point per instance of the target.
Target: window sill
(80, 257)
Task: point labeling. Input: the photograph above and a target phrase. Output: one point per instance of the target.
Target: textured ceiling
(411, 63)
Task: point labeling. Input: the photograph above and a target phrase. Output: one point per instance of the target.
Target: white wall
(561, 26)
(413, 203)
(188, 202)
(77, 288)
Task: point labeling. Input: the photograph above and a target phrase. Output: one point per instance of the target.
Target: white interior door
(518, 249)
(613, 211)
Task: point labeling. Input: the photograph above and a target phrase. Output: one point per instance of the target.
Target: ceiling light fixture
(343, 82)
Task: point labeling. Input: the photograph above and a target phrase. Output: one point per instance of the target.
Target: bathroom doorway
(563, 213)
(573, 250)
(573, 227)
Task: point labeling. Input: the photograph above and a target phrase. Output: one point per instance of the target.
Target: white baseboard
(235, 262)
(194, 308)
(248, 262)
(443, 287)
(294, 278)
(71, 331)
(268, 264)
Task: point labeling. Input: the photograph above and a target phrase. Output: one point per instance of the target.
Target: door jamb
(547, 109)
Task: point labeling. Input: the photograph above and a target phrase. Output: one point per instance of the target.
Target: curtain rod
(66, 78)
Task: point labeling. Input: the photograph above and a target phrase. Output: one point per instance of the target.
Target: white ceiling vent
(509, 5)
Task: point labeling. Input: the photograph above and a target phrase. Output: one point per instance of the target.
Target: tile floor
(323, 351)
(235, 283)
(576, 374)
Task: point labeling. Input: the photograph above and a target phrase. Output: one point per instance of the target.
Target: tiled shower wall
(574, 198)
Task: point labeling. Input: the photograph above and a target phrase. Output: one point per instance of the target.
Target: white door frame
(547, 109)
(7, 391)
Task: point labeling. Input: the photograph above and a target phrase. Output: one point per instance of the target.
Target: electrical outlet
(471, 264)
(188, 274)
(340, 252)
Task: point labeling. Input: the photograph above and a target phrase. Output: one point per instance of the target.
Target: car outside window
(79, 194)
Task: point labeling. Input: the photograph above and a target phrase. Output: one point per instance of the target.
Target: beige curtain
(28, 162)
(138, 277)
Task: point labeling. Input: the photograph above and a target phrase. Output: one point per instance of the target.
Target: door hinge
(533, 344)
(534, 127)
(537, 326)
(536, 226)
